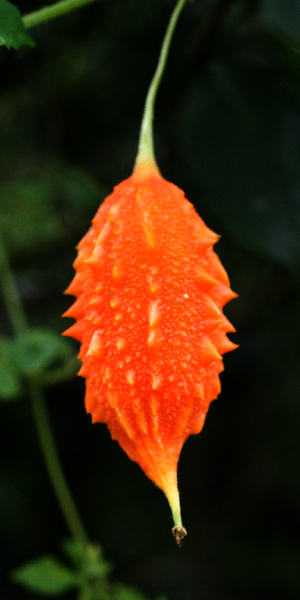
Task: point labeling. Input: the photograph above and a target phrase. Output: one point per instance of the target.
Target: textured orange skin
(150, 291)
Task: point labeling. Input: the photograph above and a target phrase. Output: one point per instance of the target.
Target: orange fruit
(150, 291)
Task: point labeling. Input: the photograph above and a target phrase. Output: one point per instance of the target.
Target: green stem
(10, 293)
(146, 146)
(51, 12)
(16, 313)
(53, 465)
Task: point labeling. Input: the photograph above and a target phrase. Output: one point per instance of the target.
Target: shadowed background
(227, 131)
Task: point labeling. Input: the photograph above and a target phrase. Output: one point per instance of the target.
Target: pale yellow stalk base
(172, 494)
(144, 170)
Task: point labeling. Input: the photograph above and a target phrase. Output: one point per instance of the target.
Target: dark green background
(227, 131)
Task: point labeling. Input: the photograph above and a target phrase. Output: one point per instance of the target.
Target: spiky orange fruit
(150, 291)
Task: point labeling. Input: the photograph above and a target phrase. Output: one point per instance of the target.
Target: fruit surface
(150, 291)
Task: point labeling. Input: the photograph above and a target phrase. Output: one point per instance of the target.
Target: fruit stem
(10, 293)
(53, 465)
(146, 146)
(51, 12)
(19, 324)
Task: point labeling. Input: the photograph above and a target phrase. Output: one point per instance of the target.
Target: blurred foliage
(227, 131)
(49, 576)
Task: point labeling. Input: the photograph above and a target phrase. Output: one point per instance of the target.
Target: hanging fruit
(150, 291)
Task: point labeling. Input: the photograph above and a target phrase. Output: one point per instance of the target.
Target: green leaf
(89, 561)
(74, 551)
(125, 592)
(37, 351)
(45, 575)
(10, 382)
(10, 385)
(96, 591)
(12, 31)
(95, 566)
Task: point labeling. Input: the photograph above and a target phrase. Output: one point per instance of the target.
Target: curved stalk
(19, 323)
(53, 465)
(146, 153)
(51, 12)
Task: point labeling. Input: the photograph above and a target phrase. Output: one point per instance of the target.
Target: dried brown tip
(179, 533)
